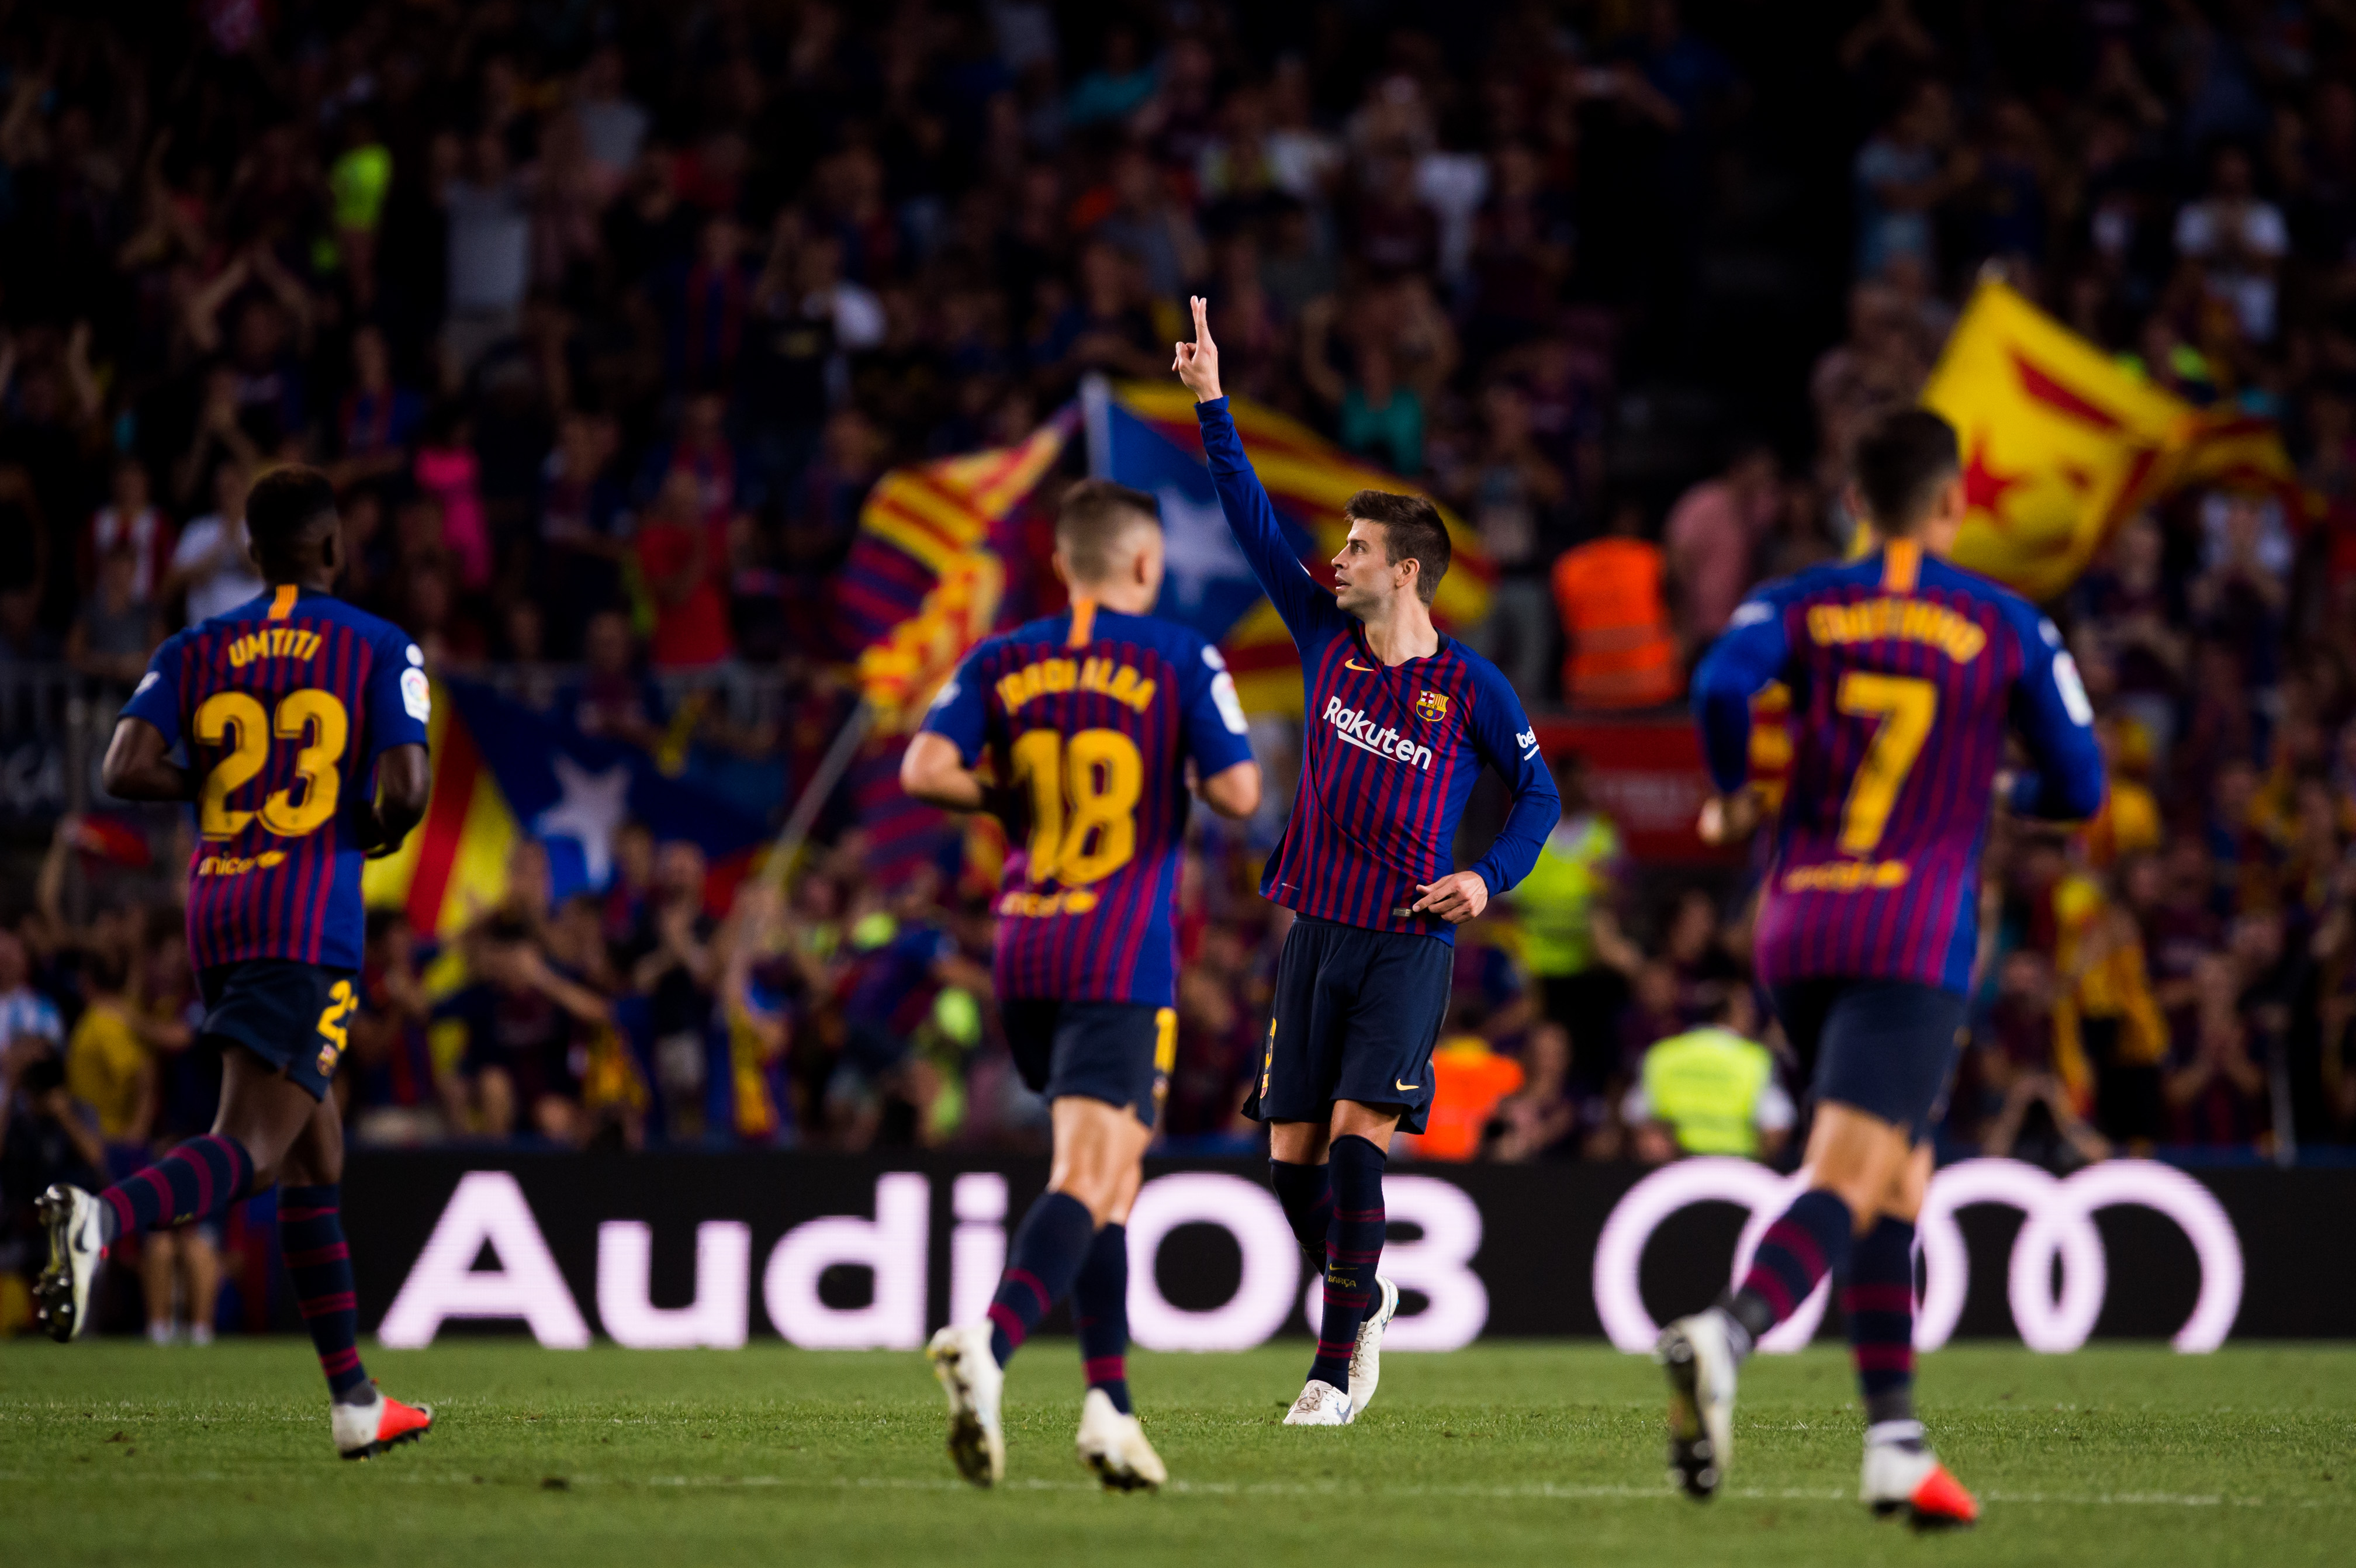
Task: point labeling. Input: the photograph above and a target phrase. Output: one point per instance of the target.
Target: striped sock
(1354, 1245)
(1100, 1306)
(319, 1267)
(1879, 1306)
(199, 1181)
(1048, 1249)
(1810, 1240)
(1308, 1199)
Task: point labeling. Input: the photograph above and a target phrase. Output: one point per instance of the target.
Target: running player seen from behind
(1905, 674)
(1090, 724)
(1400, 720)
(303, 722)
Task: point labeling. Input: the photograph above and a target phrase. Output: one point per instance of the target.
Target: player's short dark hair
(284, 503)
(1094, 517)
(1901, 460)
(1411, 531)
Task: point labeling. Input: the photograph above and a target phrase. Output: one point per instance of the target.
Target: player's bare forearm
(403, 784)
(1232, 792)
(1455, 899)
(1729, 818)
(1197, 363)
(931, 770)
(137, 766)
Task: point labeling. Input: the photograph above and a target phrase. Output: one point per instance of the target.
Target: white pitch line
(1535, 1490)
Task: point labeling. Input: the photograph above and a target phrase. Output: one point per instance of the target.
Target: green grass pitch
(115, 1453)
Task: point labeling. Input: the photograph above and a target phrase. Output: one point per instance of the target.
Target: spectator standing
(488, 208)
(672, 962)
(1611, 596)
(1516, 495)
(1571, 944)
(131, 519)
(213, 560)
(2235, 240)
(115, 629)
(1714, 536)
(682, 560)
(1711, 1090)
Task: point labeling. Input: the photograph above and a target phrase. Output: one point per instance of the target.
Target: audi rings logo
(2058, 1225)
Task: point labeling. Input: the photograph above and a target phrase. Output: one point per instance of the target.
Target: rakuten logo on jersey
(1356, 730)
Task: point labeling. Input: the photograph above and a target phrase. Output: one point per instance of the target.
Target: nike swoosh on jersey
(1405, 1088)
(1355, 665)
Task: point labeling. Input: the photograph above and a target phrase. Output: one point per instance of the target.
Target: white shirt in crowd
(214, 555)
(490, 246)
(2205, 231)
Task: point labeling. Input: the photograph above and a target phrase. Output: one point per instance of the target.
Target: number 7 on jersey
(1906, 707)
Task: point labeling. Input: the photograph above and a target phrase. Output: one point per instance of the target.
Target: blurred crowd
(606, 317)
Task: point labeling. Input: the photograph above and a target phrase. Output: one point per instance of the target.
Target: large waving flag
(2061, 445)
(922, 586)
(502, 770)
(919, 523)
(1144, 434)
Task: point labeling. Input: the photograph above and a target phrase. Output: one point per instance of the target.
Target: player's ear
(1063, 567)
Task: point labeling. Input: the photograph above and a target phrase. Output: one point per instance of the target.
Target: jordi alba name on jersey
(283, 706)
(1906, 674)
(1089, 718)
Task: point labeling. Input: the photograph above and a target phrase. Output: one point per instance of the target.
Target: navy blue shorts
(1356, 1017)
(290, 1015)
(1119, 1052)
(1886, 1047)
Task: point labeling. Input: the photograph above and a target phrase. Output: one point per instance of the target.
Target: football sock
(1810, 1240)
(1100, 1307)
(1049, 1248)
(199, 1181)
(1879, 1306)
(1307, 1195)
(319, 1267)
(1353, 1243)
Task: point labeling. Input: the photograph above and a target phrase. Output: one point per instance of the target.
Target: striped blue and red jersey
(1906, 674)
(1089, 719)
(283, 706)
(1389, 753)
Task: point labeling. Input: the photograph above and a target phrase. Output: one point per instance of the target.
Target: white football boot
(1114, 1447)
(1901, 1473)
(1366, 1357)
(1321, 1405)
(364, 1431)
(973, 1380)
(61, 1295)
(1700, 1361)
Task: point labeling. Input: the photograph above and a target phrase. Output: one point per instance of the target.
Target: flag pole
(812, 800)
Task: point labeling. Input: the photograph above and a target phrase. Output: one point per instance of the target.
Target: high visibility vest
(1622, 653)
(1706, 1083)
(1556, 900)
(1470, 1081)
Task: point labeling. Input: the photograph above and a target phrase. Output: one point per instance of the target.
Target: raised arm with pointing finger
(1306, 604)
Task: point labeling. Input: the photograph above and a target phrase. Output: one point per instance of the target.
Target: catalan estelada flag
(502, 770)
(1144, 434)
(2061, 444)
(923, 584)
(920, 523)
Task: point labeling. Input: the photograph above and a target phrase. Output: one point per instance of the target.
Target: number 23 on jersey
(312, 720)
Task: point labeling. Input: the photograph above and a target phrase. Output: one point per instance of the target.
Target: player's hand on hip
(1455, 898)
(1728, 818)
(1197, 363)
